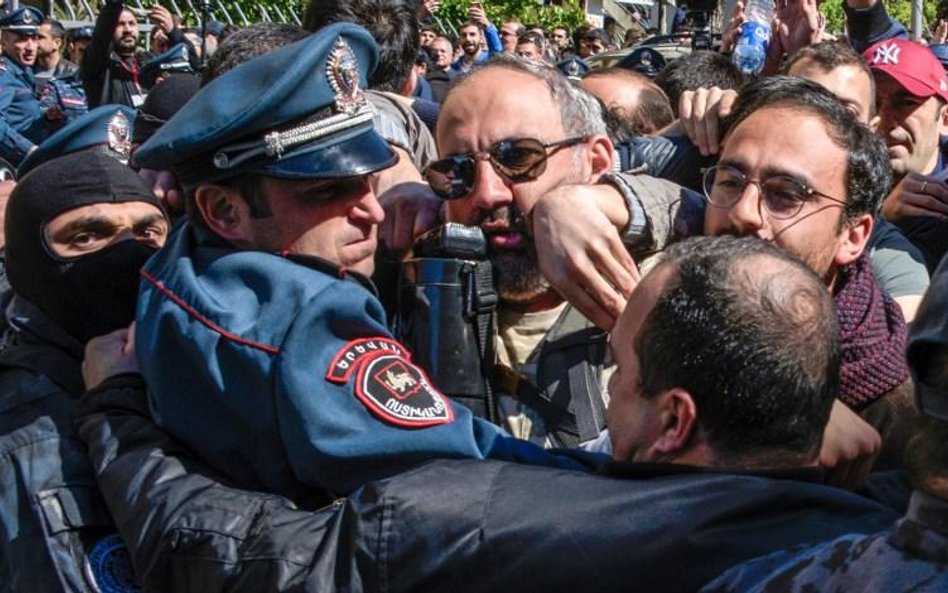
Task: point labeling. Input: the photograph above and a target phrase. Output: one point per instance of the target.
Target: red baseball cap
(912, 64)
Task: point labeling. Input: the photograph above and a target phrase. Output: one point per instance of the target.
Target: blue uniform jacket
(21, 116)
(286, 378)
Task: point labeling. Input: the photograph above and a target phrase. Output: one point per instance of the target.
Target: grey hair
(580, 113)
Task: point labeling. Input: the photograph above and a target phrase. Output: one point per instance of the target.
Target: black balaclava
(91, 294)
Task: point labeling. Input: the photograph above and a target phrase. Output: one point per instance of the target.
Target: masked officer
(22, 118)
(285, 376)
(78, 229)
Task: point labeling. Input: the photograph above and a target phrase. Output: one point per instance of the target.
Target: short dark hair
(393, 24)
(580, 32)
(699, 69)
(248, 43)
(531, 37)
(652, 113)
(596, 35)
(754, 342)
(423, 58)
(830, 55)
(56, 29)
(868, 172)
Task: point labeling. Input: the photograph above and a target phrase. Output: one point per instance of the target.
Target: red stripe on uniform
(204, 320)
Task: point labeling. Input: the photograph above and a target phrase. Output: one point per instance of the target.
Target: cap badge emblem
(887, 54)
(27, 17)
(119, 135)
(342, 71)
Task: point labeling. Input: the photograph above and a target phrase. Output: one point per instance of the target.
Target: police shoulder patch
(388, 384)
(109, 567)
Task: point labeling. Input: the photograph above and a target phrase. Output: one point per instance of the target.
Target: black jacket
(448, 525)
(55, 531)
(106, 76)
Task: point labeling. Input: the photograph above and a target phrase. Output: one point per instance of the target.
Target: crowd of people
(710, 337)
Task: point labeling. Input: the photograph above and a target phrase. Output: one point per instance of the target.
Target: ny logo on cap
(342, 71)
(887, 54)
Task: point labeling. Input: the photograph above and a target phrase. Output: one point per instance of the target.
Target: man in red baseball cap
(911, 94)
(912, 103)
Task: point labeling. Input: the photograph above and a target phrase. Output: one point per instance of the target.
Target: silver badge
(120, 135)
(27, 17)
(342, 71)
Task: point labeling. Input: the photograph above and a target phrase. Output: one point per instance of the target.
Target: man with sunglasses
(796, 169)
(260, 337)
(501, 155)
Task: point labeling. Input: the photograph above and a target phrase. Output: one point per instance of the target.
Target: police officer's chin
(359, 256)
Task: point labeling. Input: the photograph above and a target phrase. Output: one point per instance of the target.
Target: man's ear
(943, 119)
(224, 211)
(854, 239)
(602, 156)
(679, 423)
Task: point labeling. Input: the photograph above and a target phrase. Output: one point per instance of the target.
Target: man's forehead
(641, 302)
(108, 210)
(485, 99)
(764, 117)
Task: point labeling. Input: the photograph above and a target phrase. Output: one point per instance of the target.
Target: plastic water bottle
(750, 51)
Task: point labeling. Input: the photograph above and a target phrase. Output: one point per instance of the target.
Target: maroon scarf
(873, 336)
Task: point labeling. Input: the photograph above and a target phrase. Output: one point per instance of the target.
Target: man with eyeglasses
(501, 155)
(795, 169)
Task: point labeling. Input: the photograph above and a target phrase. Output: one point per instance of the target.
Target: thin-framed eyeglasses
(515, 159)
(782, 196)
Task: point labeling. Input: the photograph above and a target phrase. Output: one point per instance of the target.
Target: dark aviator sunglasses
(516, 160)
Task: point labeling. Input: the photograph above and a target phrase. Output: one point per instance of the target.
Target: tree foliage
(529, 12)
(901, 10)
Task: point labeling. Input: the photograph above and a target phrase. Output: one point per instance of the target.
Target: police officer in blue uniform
(262, 342)
(22, 118)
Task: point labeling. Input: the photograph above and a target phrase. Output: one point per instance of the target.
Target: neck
(545, 301)
(49, 62)
(932, 163)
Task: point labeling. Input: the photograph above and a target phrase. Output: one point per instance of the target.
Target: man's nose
(368, 208)
(747, 215)
(490, 190)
